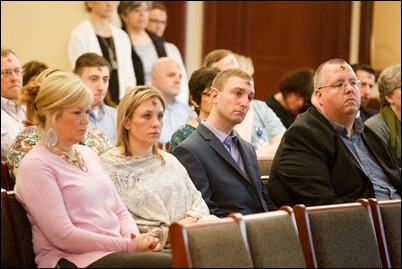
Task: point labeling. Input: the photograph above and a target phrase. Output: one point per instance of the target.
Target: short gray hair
(387, 81)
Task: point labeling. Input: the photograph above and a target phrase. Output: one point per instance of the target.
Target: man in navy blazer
(221, 164)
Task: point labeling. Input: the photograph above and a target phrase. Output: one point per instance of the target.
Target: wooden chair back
(21, 230)
(209, 244)
(9, 257)
(7, 182)
(338, 236)
(387, 220)
(273, 239)
(265, 166)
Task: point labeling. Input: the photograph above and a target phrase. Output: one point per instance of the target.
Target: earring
(51, 137)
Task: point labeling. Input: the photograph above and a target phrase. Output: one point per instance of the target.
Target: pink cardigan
(74, 214)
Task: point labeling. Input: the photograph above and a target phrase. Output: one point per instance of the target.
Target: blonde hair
(52, 91)
(132, 99)
(246, 63)
(223, 76)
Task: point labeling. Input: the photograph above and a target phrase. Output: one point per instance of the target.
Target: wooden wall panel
(366, 27)
(176, 28)
(278, 35)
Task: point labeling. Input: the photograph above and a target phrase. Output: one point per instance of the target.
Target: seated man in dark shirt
(296, 87)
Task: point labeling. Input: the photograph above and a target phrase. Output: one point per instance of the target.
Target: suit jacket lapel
(220, 149)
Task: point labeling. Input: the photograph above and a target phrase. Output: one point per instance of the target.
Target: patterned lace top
(155, 194)
(30, 136)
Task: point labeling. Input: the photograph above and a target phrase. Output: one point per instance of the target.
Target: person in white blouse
(12, 115)
(158, 20)
(153, 184)
(97, 34)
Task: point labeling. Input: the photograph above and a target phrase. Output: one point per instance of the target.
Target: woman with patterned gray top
(152, 183)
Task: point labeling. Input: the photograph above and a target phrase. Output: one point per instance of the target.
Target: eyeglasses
(397, 87)
(356, 84)
(158, 21)
(5, 73)
(207, 94)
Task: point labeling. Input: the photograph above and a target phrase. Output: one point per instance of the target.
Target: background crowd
(123, 145)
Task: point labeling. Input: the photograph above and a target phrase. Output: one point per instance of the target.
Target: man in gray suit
(221, 164)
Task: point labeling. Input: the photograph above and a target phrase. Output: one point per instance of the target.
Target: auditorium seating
(16, 234)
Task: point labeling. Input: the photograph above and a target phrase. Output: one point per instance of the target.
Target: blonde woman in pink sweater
(77, 217)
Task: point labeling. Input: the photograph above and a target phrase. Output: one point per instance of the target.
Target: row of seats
(362, 234)
(16, 235)
(7, 182)
(365, 234)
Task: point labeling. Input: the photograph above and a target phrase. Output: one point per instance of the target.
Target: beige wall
(386, 39)
(40, 31)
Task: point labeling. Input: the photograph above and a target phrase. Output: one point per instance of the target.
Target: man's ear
(213, 92)
(316, 97)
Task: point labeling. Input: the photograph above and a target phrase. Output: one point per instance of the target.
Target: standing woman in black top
(146, 46)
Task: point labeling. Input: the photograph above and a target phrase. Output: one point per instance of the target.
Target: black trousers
(127, 260)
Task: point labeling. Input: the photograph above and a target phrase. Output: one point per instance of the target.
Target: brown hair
(200, 80)
(215, 56)
(159, 5)
(32, 69)
(299, 81)
(90, 59)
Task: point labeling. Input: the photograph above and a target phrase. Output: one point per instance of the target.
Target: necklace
(72, 157)
(109, 44)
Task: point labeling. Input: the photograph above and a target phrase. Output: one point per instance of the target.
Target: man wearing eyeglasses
(158, 20)
(12, 115)
(327, 156)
